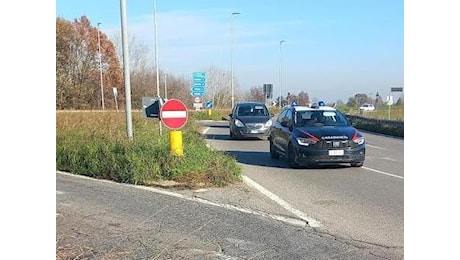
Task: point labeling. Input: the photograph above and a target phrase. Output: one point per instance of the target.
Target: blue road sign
(199, 75)
(197, 93)
(199, 84)
(197, 89)
(209, 104)
(199, 79)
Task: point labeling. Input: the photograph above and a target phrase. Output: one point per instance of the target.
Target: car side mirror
(230, 115)
(286, 123)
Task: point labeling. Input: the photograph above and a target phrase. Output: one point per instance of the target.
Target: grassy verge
(95, 144)
(381, 112)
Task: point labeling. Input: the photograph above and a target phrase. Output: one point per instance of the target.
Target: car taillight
(357, 138)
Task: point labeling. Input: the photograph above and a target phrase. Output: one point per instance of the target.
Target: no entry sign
(173, 113)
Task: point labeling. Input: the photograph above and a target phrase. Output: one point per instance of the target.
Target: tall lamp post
(100, 66)
(281, 74)
(231, 58)
(156, 61)
(156, 47)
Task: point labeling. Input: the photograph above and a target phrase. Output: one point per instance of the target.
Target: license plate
(254, 131)
(335, 152)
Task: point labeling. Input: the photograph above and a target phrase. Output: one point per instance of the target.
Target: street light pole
(156, 61)
(126, 77)
(281, 74)
(100, 66)
(156, 47)
(231, 58)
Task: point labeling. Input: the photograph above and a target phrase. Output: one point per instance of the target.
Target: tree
(359, 99)
(65, 44)
(77, 65)
(303, 98)
(142, 72)
(218, 87)
(255, 93)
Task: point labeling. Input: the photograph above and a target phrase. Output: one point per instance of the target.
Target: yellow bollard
(175, 143)
(209, 112)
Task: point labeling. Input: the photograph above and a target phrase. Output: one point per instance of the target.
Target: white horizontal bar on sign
(174, 114)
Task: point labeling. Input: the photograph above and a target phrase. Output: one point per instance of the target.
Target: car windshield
(320, 118)
(252, 110)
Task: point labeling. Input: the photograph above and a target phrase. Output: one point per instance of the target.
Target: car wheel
(359, 164)
(273, 153)
(291, 157)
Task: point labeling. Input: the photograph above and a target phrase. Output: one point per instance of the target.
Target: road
(98, 219)
(357, 204)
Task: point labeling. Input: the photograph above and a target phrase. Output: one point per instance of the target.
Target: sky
(333, 49)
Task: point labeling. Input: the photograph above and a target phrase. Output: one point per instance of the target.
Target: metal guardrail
(382, 126)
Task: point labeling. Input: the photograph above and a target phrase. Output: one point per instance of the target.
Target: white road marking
(311, 222)
(288, 220)
(385, 173)
(376, 147)
(205, 130)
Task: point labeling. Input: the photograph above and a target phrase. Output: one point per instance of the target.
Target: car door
(285, 131)
(276, 130)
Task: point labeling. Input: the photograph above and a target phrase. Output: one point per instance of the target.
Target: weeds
(95, 144)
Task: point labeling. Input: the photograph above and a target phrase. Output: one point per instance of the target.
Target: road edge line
(310, 221)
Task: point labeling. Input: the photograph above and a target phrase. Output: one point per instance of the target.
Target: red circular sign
(173, 113)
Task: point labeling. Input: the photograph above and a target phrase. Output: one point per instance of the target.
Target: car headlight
(268, 123)
(305, 141)
(239, 123)
(359, 140)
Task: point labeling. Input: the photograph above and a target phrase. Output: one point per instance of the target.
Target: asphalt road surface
(356, 204)
(105, 220)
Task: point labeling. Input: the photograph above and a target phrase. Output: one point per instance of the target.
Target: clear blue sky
(334, 49)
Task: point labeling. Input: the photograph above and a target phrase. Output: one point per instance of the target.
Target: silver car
(250, 120)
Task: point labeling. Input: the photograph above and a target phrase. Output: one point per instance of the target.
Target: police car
(315, 135)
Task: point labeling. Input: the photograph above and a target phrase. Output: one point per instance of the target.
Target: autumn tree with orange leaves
(77, 67)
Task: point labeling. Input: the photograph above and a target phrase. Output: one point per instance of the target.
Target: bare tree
(218, 87)
(303, 98)
(255, 93)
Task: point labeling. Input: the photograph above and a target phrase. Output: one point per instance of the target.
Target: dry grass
(95, 144)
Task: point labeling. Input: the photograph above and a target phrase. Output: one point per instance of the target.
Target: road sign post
(174, 116)
(209, 107)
